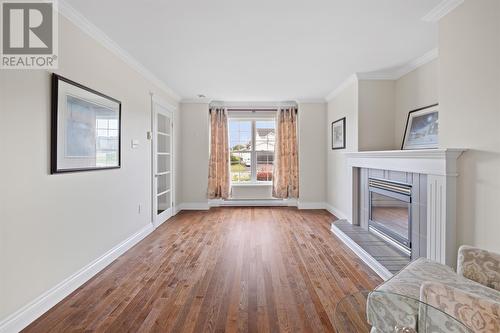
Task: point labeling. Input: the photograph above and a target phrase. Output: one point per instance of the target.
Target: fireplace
(390, 212)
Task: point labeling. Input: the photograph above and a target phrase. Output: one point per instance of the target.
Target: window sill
(252, 184)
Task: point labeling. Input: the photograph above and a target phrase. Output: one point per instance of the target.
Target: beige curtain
(286, 162)
(218, 169)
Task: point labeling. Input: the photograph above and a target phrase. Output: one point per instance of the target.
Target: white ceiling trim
(398, 72)
(311, 101)
(394, 74)
(351, 79)
(80, 21)
(441, 10)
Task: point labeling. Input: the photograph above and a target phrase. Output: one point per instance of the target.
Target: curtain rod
(253, 105)
(250, 110)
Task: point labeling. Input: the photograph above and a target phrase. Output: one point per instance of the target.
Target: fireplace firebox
(390, 212)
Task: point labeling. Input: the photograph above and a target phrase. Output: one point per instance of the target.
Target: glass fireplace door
(390, 214)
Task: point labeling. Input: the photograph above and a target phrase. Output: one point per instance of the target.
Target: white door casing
(162, 161)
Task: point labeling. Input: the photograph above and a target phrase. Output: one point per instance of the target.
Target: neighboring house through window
(251, 144)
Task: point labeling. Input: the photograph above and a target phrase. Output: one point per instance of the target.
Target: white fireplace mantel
(441, 162)
(440, 166)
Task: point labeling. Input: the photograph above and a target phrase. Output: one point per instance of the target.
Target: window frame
(253, 152)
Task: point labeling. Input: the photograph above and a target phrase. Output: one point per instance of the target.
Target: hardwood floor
(228, 269)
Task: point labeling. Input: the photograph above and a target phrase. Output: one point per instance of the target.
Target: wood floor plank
(248, 269)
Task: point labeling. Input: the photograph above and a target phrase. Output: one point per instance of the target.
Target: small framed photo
(86, 128)
(338, 134)
(422, 129)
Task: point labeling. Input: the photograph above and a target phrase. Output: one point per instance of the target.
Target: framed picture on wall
(422, 128)
(86, 128)
(338, 134)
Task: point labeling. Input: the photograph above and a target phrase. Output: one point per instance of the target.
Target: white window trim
(250, 116)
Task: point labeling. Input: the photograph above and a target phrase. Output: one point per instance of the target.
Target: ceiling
(264, 50)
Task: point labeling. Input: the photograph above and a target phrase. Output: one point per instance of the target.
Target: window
(251, 144)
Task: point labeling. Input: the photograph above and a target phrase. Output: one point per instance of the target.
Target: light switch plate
(135, 144)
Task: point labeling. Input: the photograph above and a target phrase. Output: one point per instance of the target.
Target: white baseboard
(194, 206)
(311, 205)
(31, 311)
(339, 214)
(362, 254)
(252, 202)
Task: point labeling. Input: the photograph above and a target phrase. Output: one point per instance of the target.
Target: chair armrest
(479, 265)
(481, 314)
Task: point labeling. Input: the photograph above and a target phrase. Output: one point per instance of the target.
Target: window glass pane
(265, 166)
(240, 135)
(265, 135)
(243, 154)
(241, 166)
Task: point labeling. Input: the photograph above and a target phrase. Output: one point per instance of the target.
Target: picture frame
(422, 128)
(85, 128)
(338, 134)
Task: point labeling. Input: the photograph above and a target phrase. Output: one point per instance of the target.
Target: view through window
(251, 144)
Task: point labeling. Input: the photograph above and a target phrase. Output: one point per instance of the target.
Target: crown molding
(441, 10)
(397, 73)
(195, 101)
(351, 79)
(311, 101)
(97, 34)
(393, 74)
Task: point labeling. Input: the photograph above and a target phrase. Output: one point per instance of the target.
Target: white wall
(417, 89)
(312, 158)
(53, 225)
(195, 153)
(469, 95)
(344, 104)
(376, 103)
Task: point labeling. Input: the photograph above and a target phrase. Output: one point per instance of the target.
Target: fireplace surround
(434, 172)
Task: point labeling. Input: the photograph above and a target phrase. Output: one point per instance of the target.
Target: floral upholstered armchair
(471, 295)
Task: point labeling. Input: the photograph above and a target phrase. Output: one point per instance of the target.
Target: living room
(329, 166)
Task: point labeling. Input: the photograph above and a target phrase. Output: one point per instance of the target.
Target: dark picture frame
(85, 128)
(338, 125)
(422, 128)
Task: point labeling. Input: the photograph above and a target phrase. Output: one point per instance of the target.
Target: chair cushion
(408, 281)
(396, 301)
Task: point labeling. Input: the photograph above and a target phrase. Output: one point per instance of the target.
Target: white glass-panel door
(162, 164)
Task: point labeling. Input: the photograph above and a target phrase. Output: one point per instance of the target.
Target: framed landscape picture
(338, 134)
(86, 128)
(422, 128)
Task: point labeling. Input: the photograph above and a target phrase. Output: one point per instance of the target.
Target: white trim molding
(253, 203)
(351, 79)
(311, 205)
(97, 34)
(336, 212)
(31, 311)
(398, 72)
(194, 206)
(371, 262)
(441, 10)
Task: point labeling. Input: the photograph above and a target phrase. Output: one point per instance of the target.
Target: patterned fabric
(479, 313)
(480, 266)
(286, 161)
(396, 300)
(218, 169)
